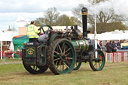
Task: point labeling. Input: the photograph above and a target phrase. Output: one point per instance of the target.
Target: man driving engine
(32, 32)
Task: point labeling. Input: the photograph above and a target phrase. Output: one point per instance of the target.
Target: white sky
(32, 9)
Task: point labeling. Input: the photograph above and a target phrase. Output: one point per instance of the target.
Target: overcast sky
(32, 9)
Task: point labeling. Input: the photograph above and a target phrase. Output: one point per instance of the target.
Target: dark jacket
(113, 47)
(109, 47)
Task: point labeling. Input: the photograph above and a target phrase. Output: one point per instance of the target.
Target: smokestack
(84, 20)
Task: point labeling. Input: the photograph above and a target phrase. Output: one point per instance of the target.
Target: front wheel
(97, 60)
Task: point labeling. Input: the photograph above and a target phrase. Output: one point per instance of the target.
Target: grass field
(112, 74)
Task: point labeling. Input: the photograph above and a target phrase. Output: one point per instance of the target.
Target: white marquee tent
(7, 36)
(115, 35)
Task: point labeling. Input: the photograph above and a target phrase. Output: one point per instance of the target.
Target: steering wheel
(49, 28)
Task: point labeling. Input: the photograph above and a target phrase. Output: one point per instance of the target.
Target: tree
(51, 15)
(76, 21)
(107, 27)
(77, 11)
(107, 19)
(106, 16)
(96, 1)
(64, 20)
(102, 17)
(77, 15)
(40, 21)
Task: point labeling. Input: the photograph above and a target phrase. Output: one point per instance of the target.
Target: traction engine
(62, 52)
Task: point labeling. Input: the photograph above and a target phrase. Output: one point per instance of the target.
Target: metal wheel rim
(64, 57)
(98, 63)
(77, 65)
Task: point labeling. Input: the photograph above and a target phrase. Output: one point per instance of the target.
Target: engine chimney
(84, 20)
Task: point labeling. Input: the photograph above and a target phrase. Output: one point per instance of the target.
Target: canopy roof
(114, 35)
(7, 35)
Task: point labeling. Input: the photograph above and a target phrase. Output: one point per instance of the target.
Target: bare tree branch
(51, 15)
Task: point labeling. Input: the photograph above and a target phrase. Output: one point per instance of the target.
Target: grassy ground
(112, 74)
(10, 60)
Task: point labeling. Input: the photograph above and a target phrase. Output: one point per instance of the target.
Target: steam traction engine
(62, 52)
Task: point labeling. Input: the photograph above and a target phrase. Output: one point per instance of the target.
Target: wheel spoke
(63, 47)
(56, 59)
(66, 64)
(60, 48)
(34, 67)
(67, 54)
(59, 64)
(69, 58)
(67, 50)
(76, 63)
(54, 56)
(56, 52)
(60, 67)
(57, 49)
(37, 68)
(95, 64)
(63, 66)
(99, 64)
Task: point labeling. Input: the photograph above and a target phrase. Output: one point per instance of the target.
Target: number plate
(30, 43)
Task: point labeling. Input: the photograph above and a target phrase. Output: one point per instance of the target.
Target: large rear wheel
(61, 56)
(35, 69)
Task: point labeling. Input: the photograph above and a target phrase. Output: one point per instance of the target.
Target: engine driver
(33, 32)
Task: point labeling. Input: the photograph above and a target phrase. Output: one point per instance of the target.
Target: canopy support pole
(95, 37)
(1, 50)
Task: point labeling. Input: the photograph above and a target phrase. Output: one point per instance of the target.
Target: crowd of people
(111, 46)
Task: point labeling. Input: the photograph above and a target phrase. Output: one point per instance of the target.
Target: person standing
(32, 32)
(109, 46)
(114, 47)
(119, 44)
(100, 42)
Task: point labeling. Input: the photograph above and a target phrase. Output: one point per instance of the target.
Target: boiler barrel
(83, 45)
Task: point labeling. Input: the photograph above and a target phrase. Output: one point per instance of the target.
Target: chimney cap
(84, 9)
